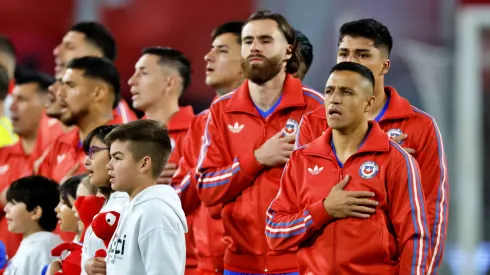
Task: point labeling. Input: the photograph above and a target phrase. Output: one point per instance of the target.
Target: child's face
(96, 163)
(66, 217)
(123, 168)
(19, 220)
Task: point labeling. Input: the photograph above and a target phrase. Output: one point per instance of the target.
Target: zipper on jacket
(334, 246)
(261, 222)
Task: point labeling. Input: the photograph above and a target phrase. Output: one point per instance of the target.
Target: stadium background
(440, 62)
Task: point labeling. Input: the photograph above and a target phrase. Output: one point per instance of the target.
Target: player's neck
(28, 142)
(380, 95)
(163, 112)
(92, 121)
(228, 88)
(266, 95)
(2, 104)
(347, 141)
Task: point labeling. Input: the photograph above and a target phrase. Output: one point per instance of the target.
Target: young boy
(30, 211)
(149, 238)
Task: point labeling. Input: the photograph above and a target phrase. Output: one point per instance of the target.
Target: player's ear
(36, 213)
(386, 66)
(369, 103)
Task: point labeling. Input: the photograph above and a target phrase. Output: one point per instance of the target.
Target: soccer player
(248, 139)
(369, 43)
(91, 39)
(223, 73)
(90, 87)
(389, 234)
(16, 161)
(149, 238)
(161, 77)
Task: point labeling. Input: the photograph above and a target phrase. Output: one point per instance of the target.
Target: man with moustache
(90, 86)
(247, 141)
(91, 39)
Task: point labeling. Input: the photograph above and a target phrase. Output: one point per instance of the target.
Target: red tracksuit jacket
(423, 136)
(178, 126)
(394, 240)
(208, 232)
(229, 174)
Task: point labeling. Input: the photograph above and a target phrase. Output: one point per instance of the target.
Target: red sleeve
(287, 226)
(184, 179)
(408, 214)
(303, 135)
(432, 161)
(220, 180)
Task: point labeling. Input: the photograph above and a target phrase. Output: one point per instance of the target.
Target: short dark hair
(305, 48)
(99, 36)
(370, 29)
(355, 67)
(37, 191)
(293, 63)
(43, 81)
(146, 138)
(174, 58)
(7, 46)
(4, 83)
(100, 133)
(69, 189)
(99, 68)
(233, 27)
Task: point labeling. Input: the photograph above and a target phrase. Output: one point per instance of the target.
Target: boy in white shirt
(30, 211)
(149, 239)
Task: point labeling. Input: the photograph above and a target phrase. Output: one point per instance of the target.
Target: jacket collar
(398, 107)
(292, 96)
(375, 141)
(181, 120)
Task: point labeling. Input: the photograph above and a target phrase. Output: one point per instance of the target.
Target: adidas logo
(316, 170)
(235, 128)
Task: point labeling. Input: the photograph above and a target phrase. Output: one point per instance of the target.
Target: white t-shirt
(117, 202)
(33, 254)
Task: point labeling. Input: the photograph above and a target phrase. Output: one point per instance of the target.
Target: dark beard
(261, 73)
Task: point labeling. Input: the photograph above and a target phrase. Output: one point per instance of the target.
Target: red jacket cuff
(319, 215)
(249, 164)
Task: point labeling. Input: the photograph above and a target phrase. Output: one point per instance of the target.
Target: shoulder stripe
(313, 94)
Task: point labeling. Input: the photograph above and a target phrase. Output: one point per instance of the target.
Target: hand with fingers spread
(95, 266)
(343, 204)
(276, 150)
(167, 173)
(399, 139)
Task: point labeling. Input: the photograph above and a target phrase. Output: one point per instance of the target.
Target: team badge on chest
(368, 169)
(291, 127)
(394, 133)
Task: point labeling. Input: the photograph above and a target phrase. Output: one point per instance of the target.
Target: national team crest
(172, 143)
(291, 127)
(368, 169)
(394, 133)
